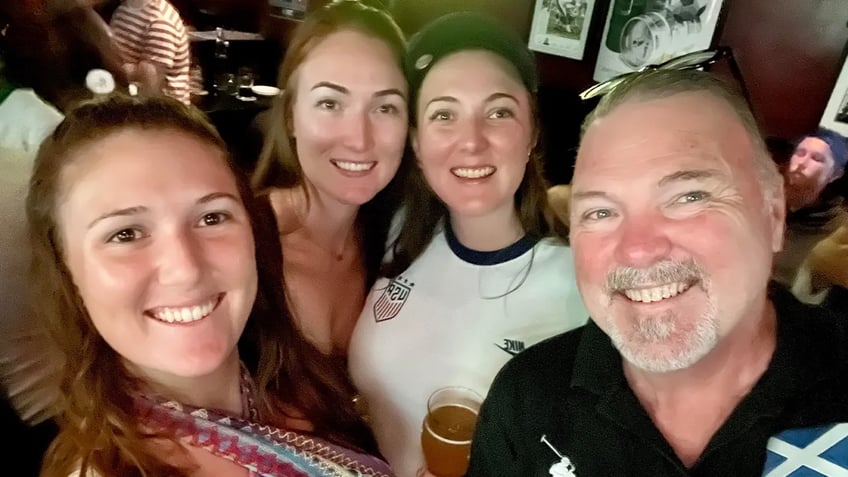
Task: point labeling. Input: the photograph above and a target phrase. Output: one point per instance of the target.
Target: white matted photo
(560, 27)
(836, 113)
(293, 9)
(639, 33)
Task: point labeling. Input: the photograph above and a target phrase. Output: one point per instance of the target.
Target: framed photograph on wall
(292, 9)
(638, 33)
(560, 27)
(836, 112)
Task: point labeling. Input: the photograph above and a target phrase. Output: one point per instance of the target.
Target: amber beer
(447, 430)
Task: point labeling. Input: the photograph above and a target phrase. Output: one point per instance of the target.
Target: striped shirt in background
(155, 33)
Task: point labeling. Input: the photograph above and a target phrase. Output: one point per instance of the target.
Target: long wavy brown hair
(98, 429)
(278, 164)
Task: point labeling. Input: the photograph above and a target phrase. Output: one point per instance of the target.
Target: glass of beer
(447, 430)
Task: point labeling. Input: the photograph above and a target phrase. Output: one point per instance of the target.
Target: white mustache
(667, 271)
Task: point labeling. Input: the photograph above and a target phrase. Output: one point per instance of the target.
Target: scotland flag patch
(809, 452)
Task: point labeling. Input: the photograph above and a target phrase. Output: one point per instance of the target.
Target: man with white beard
(692, 365)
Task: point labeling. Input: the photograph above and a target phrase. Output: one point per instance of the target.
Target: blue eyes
(597, 214)
(692, 197)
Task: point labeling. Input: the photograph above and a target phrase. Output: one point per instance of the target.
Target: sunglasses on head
(696, 60)
(371, 6)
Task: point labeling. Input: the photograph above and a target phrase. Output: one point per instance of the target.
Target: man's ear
(837, 174)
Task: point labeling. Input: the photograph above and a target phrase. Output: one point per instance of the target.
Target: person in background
(25, 119)
(333, 162)
(691, 365)
(151, 261)
(475, 273)
(154, 46)
(815, 205)
(51, 45)
(43, 45)
(559, 197)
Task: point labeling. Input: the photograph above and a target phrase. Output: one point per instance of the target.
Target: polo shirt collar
(597, 366)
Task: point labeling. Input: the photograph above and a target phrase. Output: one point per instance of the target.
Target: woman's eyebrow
(119, 213)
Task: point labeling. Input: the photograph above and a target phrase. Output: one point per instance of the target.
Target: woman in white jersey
(475, 274)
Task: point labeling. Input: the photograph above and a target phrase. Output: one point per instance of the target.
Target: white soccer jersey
(455, 317)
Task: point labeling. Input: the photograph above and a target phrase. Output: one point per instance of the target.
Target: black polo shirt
(571, 389)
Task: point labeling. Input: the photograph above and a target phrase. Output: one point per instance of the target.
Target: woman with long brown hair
(333, 162)
(151, 261)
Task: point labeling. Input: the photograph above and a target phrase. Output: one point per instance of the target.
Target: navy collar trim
(476, 257)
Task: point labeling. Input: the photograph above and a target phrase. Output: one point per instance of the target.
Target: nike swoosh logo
(504, 348)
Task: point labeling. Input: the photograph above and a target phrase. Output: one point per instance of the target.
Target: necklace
(303, 238)
(309, 236)
(338, 256)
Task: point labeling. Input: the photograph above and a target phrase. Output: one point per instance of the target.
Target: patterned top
(264, 450)
(155, 33)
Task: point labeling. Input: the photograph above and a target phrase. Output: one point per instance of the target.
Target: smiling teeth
(649, 295)
(185, 314)
(473, 172)
(354, 166)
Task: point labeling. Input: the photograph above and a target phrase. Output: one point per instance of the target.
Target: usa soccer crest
(392, 299)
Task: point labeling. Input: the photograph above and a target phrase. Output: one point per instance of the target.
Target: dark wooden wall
(790, 53)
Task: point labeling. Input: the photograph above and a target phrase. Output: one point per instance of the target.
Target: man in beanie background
(818, 160)
(815, 206)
